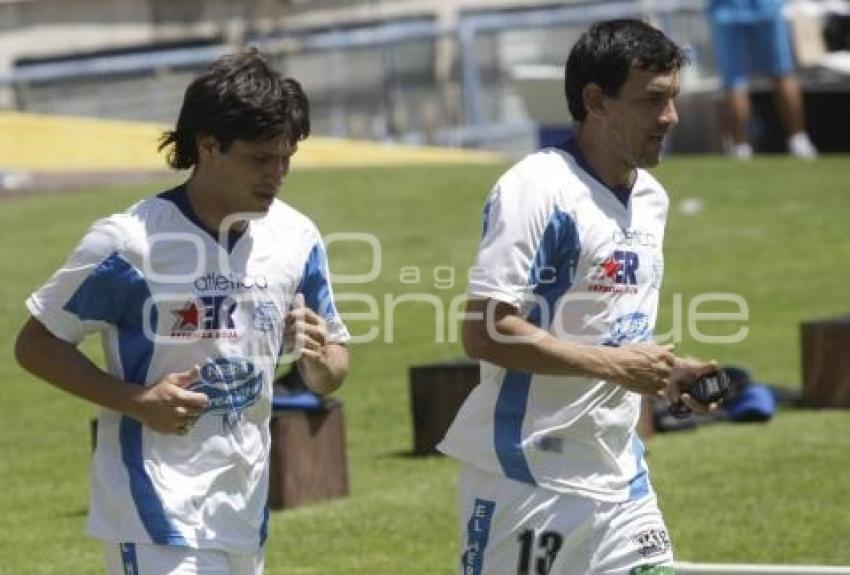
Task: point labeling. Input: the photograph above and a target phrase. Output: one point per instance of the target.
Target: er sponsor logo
(205, 317)
(616, 273)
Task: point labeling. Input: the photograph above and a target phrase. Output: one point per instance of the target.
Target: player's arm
(313, 328)
(507, 340)
(527, 230)
(322, 364)
(166, 406)
(324, 371)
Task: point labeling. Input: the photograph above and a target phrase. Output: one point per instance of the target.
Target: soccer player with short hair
(195, 292)
(561, 314)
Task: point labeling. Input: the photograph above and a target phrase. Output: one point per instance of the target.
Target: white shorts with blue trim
(511, 528)
(149, 559)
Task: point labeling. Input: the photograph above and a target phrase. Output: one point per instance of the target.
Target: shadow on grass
(409, 454)
(75, 513)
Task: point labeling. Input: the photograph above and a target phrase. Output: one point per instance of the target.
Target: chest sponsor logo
(217, 282)
(617, 273)
(632, 238)
(230, 383)
(206, 317)
(630, 328)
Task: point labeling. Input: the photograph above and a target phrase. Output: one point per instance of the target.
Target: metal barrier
(382, 81)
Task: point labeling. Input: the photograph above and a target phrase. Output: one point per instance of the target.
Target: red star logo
(187, 317)
(610, 267)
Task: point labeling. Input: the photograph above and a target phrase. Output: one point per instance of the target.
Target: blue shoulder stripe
(116, 292)
(315, 284)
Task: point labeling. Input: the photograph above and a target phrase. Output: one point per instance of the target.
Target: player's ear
(207, 145)
(594, 99)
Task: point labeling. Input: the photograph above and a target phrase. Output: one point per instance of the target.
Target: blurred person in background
(751, 37)
(195, 292)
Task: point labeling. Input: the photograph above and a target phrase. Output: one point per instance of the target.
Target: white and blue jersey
(165, 296)
(585, 263)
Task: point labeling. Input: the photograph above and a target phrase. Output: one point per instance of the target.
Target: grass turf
(772, 230)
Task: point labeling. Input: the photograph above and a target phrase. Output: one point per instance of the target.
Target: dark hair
(606, 52)
(239, 97)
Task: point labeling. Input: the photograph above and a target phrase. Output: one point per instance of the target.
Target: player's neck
(602, 157)
(203, 197)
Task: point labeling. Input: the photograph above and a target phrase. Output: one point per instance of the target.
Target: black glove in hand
(708, 389)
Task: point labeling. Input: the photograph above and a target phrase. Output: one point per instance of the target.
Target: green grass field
(774, 231)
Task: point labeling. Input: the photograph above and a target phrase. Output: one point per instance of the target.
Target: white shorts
(144, 559)
(510, 528)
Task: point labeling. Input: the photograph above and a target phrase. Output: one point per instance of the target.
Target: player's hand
(686, 371)
(644, 368)
(322, 365)
(168, 407)
(305, 334)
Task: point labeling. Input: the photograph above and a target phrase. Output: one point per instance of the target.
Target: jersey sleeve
(316, 287)
(526, 239)
(77, 299)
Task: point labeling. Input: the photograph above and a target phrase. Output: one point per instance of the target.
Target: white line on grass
(684, 568)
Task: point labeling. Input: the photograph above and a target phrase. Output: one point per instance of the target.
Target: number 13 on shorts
(511, 528)
(537, 553)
